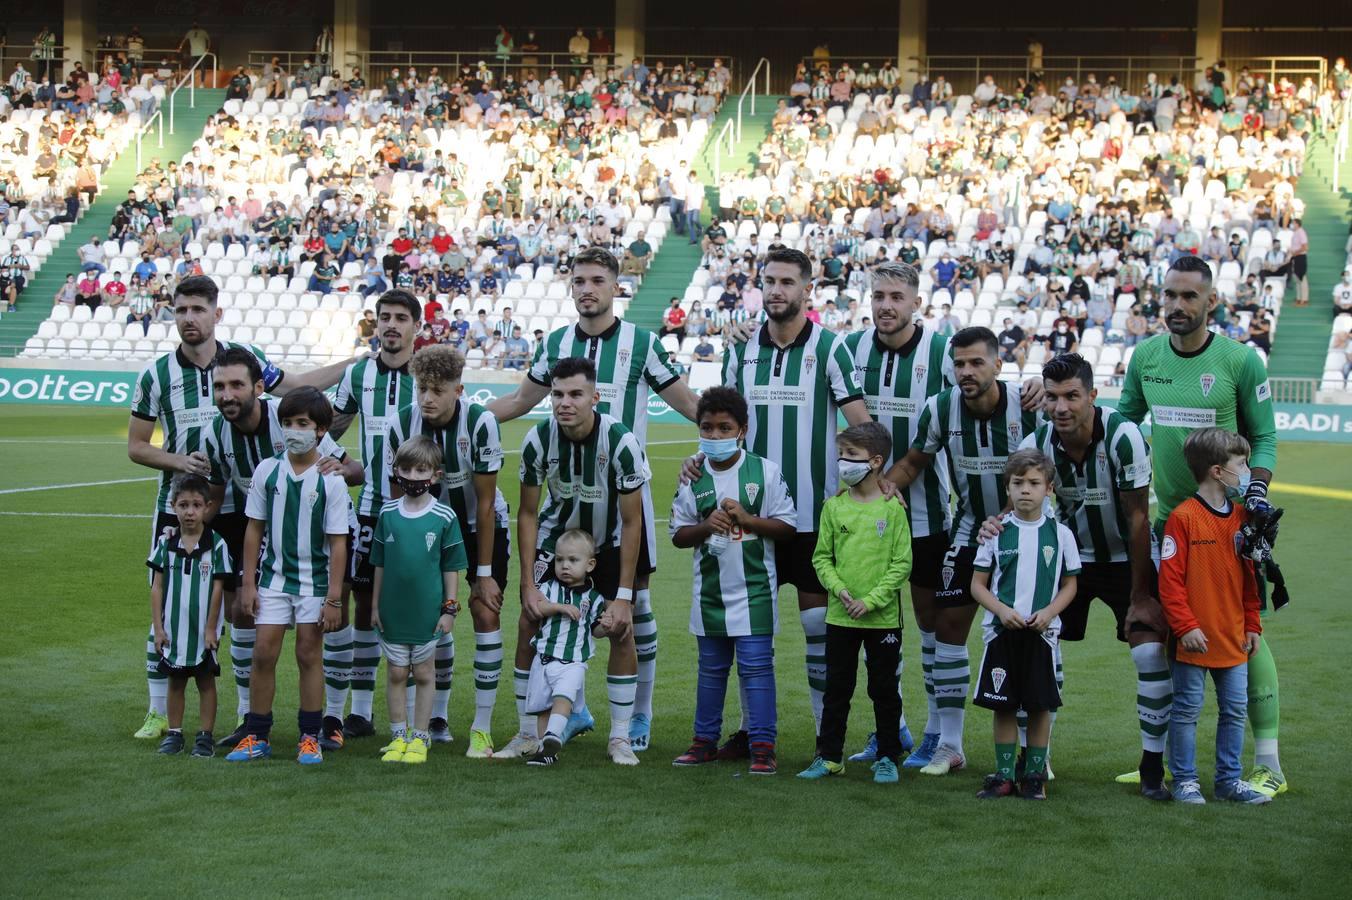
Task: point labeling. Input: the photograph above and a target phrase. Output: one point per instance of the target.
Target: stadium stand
(1024, 208)
(475, 195)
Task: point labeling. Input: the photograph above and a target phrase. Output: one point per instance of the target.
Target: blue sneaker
(249, 749)
(1241, 792)
(1189, 792)
(640, 729)
(309, 753)
(885, 772)
(922, 755)
(870, 751)
(580, 721)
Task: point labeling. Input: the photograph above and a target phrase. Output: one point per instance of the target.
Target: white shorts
(553, 679)
(276, 608)
(407, 654)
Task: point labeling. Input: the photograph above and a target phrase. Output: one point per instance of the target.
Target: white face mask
(852, 472)
(299, 441)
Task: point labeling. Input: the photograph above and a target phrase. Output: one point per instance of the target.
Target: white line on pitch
(59, 442)
(80, 484)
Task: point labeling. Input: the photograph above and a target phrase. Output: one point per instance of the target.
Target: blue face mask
(1236, 491)
(718, 450)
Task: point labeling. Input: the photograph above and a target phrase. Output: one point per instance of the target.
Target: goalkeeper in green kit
(1189, 379)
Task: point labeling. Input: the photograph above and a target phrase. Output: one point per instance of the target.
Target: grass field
(98, 813)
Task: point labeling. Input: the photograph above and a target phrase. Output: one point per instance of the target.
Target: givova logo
(85, 388)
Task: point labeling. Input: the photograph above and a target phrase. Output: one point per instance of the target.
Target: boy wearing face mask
(1210, 599)
(417, 554)
(300, 515)
(729, 515)
(863, 557)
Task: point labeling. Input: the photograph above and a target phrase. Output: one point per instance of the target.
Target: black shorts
(605, 577)
(647, 560)
(793, 562)
(231, 528)
(360, 572)
(164, 523)
(1018, 671)
(208, 665)
(1109, 582)
(502, 552)
(955, 578)
(927, 559)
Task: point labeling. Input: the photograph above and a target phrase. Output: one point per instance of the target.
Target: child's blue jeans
(1232, 698)
(756, 672)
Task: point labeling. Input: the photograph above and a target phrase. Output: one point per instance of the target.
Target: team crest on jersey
(601, 459)
(540, 569)
(882, 527)
(997, 678)
(1208, 382)
(463, 444)
(430, 538)
(808, 362)
(947, 575)
(1168, 548)
(204, 567)
(1015, 432)
(584, 607)
(311, 499)
(138, 394)
(920, 371)
(1047, 554)
(622, 358)
(752, 491)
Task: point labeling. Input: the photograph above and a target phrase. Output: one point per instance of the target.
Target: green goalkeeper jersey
(1224, 385)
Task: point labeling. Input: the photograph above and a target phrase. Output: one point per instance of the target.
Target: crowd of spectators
(1048, 212)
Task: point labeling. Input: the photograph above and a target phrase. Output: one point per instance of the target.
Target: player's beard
(790, 311)
(393, 344)
(1184, 326)
(602, 306)
(242, 409)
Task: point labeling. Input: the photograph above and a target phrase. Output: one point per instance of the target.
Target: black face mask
(414, 487)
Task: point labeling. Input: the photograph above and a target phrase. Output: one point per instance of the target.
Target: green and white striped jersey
(376, 392)
(235, 455)
(896, 384)
(298, 512)
(585, 479)
(188, 579)
(734, 593)
(629, 361)
(177, 394)
(414, 549)
(470, 443)
(1088, 494)
(1027, 562)
(559, 636)
(977, 450)
(793, 394)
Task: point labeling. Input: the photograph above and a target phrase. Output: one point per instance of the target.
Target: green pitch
(90, 810)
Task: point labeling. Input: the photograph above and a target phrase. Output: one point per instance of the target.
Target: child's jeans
(1232, 698)
(755, 670)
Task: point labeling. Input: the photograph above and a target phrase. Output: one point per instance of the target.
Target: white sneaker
(621, 752)
(946, 759)
(519, 746)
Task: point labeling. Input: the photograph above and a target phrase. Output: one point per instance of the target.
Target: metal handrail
(727, 129)
(159, 114)
(751, 86)
(374, 63)
(192, 86)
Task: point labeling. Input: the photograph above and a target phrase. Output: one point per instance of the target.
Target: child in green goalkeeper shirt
(417, 553)
(572, 617)
(191, 566)
(1023, 578)
(863, 557)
